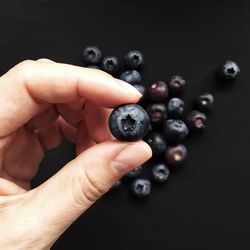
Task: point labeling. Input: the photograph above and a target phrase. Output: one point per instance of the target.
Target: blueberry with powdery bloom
(228, 71)
(141, 187)
(91, 55)
(175, 130)
(160, 172)
(131, 76)
(175, 107)
(134, 59)
(110, 64)
(129, 122)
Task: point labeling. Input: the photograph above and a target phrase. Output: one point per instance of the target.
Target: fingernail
(128, 87)
(132, 156)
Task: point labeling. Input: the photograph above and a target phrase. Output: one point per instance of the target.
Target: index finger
(31, 86)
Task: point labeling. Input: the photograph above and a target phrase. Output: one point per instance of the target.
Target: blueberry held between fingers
(110, 64)
(176, 84)
(175, 130)
(141, 187)
(91, 55)
(157, 113)
(160, 172)
(204, 102)
(228, 71)
(175, 107)
(175, 155)
(131, 76)
(157, 142)
(134, 59)
(135, 172)
(129, 122)
(158, 91)
(196, 120)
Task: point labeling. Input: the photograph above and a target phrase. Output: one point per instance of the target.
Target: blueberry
(204, 102)
(175, 155)
(117, 184)
(157, 113)
(129, 122)
(175, 107)
(92, 66)
(141, 187)
(131, 76)
(135, 172)
(175, 130)
(140, 88)
(160, 172)
(196, 120)
(134, 59)
(157, 142)
(91, 55)
(176, 84)
(110, 64)
(158, 91)
(228, 71)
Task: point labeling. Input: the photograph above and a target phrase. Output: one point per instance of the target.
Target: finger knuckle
(91, 188)
(25, 68)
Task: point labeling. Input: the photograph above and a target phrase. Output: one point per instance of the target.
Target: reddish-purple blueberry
(176, 155)
(158, 91)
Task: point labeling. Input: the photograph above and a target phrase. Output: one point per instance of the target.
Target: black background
(206, 204)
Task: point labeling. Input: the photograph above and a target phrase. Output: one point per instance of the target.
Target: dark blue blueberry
(141, 187)
(129, 122)
(91, 55)
(157, 142)
(158, 91)
(176, 84)
(160, 172)
(204, 102)
(228, 71)
(134, 59)
(176, 155)
(93, 66)
(196, 120)
(131, 76)
(110, 64)
(175, 130)
(135, 172)
(175, 107)
(140, 88)
(157, 113)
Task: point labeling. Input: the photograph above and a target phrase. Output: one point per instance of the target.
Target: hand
(42, 102)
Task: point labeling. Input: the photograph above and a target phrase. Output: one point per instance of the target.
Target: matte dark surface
(206, 204)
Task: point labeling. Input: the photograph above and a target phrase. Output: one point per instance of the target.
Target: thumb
(65, 196)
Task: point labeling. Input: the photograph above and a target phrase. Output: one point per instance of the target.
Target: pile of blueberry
(158, 118)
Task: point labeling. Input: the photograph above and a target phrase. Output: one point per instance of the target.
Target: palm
(22, 155)
(23, 150)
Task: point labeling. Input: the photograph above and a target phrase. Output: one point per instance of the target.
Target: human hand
(42, 102)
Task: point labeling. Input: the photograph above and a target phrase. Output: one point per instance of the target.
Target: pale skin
(41, 103)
